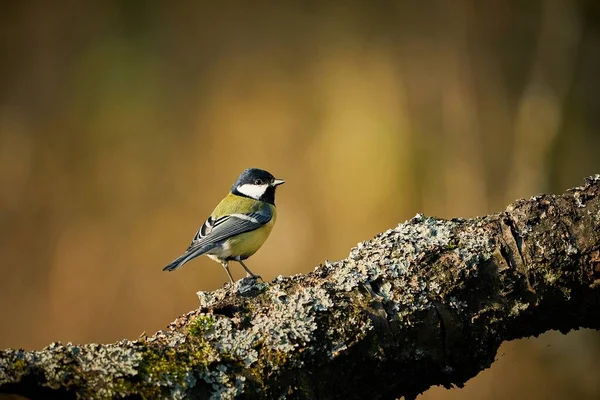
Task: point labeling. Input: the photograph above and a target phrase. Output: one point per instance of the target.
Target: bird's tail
(185, 257)
(177, 263)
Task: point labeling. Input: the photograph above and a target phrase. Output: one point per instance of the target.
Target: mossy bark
(426, 303)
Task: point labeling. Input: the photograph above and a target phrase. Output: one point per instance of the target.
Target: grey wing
(217, 230)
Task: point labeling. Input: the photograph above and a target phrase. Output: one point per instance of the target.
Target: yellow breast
(248, 243)
(245, 244)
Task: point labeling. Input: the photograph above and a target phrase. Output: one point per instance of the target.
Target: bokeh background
(122, 123)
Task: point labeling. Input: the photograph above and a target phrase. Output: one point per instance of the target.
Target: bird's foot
(247, 284)
(228, 285)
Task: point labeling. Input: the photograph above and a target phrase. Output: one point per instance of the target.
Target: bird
(239, 225)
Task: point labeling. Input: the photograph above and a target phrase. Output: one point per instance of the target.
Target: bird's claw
(256, 277)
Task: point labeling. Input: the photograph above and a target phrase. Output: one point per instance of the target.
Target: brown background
(123, 123)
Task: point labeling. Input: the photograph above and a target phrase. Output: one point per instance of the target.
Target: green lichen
(169, 372)
(19, 366)
(165, 371)
(274, 360)
(121, 386)
(200, 325)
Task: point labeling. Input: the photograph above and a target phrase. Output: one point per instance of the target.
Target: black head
(257, 184)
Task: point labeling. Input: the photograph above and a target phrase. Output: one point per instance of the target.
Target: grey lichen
(398, 256)
(224, 386)
(93, 361)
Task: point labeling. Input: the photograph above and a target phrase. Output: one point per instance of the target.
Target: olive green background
(123, 123)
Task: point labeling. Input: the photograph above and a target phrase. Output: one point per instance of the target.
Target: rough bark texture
(426, 303)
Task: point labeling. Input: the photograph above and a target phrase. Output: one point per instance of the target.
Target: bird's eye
(258, 182)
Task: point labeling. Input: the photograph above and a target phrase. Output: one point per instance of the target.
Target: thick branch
(427, 303)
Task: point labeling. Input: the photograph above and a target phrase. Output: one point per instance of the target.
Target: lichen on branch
(426, 303)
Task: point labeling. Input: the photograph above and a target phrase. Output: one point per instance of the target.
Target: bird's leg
(248, 272)
(225, 265)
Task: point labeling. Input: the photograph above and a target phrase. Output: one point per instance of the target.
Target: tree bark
(426, 303)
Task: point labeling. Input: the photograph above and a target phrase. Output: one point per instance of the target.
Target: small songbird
(239, 225)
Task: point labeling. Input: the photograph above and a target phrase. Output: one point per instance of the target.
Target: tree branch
(426, 303)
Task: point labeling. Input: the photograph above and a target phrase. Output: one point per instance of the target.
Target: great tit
(239, 225)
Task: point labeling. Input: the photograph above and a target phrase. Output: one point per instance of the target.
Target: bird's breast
(246, 244)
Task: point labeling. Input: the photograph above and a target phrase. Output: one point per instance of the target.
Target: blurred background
(122, 124)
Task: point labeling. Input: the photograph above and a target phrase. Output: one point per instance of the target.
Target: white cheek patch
(254, 191)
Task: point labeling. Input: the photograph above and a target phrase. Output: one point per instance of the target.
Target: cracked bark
(426, 303)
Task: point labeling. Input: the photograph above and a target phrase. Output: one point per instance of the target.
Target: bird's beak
(277, 182)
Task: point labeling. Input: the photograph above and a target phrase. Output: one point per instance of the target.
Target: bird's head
(257, 184)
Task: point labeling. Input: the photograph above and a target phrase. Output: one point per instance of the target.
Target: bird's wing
(216, 230)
